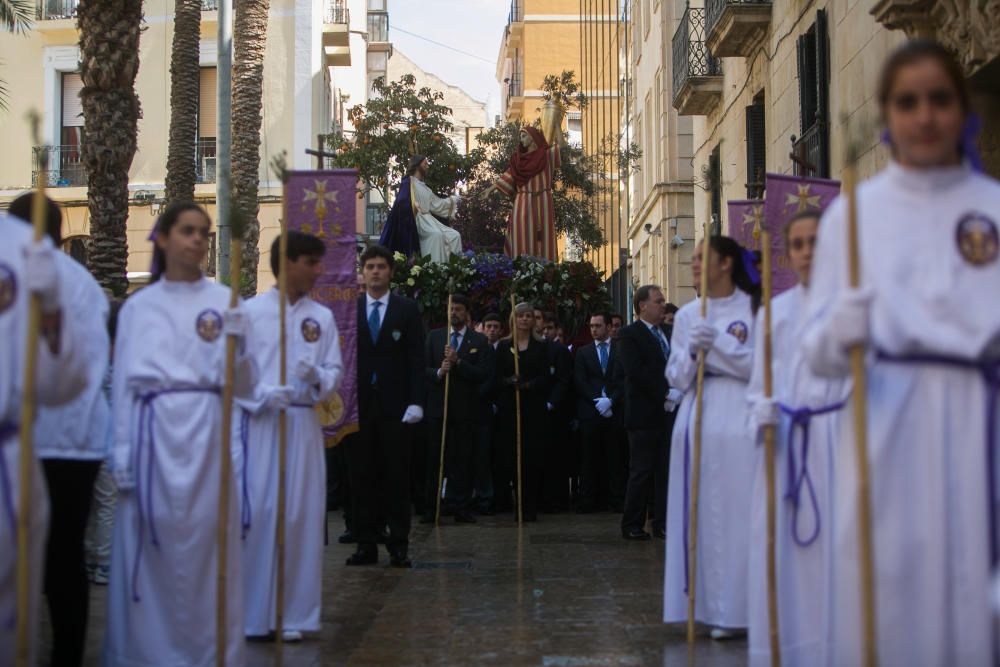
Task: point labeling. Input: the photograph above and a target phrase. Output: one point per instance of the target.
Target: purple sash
(7, 429)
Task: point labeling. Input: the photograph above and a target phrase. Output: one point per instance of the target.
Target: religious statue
(412, 227)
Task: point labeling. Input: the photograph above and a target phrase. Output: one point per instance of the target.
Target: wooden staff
(859, 402)
(225, 462)
(517, 405)
(444, 425)
(279, 538)
(696, 466)
(26, 453)
(769, 437)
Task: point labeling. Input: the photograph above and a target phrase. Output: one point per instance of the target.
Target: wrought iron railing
(810, 152)
(514, 86)
(516, 11)
(691, 55)
(56, 9)
(205, 161)
(61, 166)
(338, 12)
(375, 215)
(714, 9)
(209, 5)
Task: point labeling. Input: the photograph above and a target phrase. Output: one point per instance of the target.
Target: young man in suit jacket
(391, 391)
(600, 407)
(643, 348)
(459, 355)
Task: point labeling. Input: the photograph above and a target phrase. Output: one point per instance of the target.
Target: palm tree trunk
(109, 53)
(249, 42)
(185, 85)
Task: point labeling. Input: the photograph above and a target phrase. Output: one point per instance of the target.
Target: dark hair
(114, 307)
(163, 225)
(375, 251)
(644, 293)
(299, 244)
(415, 163)
(801, 215)
(671, 308)
(492, 317)
(461, 300)
(618, 316)
(21, 208)
(548, 316)
(727, 247)
(604, 316)
(912, 52)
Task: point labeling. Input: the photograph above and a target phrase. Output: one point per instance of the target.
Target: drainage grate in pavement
(443, 565)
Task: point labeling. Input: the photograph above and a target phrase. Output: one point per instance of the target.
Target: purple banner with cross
(323, 203)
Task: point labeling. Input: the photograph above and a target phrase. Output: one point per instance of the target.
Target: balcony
(697, 75)
(51, 10)
(209, 5)
(733, 28)
(60, 166)
(336, 33)
(205, 164)
(810, 152)
(514, 32)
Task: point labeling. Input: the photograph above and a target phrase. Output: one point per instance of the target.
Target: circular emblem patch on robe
(331, 411)
(977, 239)
(209, 325)
(311, 330)
(739, 331)
(8, 287)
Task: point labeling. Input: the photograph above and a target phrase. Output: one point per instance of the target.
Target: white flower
(411, 282)
(398, 256)
(415, 271)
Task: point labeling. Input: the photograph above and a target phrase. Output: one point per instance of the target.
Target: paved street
(564, 592)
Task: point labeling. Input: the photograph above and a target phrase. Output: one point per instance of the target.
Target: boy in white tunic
(928, 314)
(314, 371)
(805, 408)
(29, 268)
(727, 449)
(169, 368)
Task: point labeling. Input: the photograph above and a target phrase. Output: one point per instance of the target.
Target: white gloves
(307, 372)
(850, 317)
(549, 407)
(674, 398)
(603, 405)
(764, 411)
(121, 472)
(41, 275)
(235, 322)
(703, 336)
(413, 414)
(277, 397)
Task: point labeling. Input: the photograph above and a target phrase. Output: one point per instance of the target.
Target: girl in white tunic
(928, 314)
(805, 408)
(314, 372)
(727, 449)
(169, 368)
(26, 268)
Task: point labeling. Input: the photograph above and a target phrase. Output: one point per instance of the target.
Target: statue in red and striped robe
(532, 226)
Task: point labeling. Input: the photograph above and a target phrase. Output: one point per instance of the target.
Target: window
(651, 161)
(378, 27)
(715, 188)
(205, 156)
(637, 38)
(574, 128)
(646, 22)
(376, 5)
(812, 147)
(71, 171)
(756, 147)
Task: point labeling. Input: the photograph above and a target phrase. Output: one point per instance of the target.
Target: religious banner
(323, 203)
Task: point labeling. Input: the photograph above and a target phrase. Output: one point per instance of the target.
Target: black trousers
(532, 460)
(71, 486)
(483, 468)
(649, 456)
(556, 471)
(603, 464)
(459, 460)
(379, 464)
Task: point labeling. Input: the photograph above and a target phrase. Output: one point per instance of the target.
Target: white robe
(159, 347)
(801, 556)
(59, 379)
(437, 240)
(926, 421)
(726, 467)
(312, 335)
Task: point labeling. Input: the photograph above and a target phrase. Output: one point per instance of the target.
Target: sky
(473, 26)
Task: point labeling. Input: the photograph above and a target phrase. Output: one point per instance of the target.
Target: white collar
(461, 332)
(384, 299)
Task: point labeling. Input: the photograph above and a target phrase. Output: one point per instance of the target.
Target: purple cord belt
(246, 512)
(147, 415)
(7, 429)
(990, 371)
(798, 475)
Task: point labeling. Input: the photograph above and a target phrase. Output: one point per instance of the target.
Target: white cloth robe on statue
(436, 239)
(170, 336)
(802, 582)
(726, 466)
(312, 336)
(59, 379)
(926, 422)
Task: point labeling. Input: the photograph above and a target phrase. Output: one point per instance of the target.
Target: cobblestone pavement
(567, 591)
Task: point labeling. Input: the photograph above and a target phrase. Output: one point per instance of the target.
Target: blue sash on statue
(400, 231)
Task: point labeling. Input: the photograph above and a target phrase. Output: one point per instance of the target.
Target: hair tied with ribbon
(750, 266)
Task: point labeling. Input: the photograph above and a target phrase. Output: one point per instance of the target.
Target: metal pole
(224, 136)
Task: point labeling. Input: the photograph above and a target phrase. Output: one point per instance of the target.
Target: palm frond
(17, 15)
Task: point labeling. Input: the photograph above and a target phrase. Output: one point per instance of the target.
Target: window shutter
(72, 105)
(715, 171)
(823, 94)
(807, 79)
(207, 100)
(756, 148)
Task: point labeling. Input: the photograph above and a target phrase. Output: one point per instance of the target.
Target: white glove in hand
(413, 414)
(278, 397)
(549, 407)
(674, 398)
(703, 336)
(764, 411)
(235, 322)
(603, 404)
(41, 275)
(307, 372)
(850, 316)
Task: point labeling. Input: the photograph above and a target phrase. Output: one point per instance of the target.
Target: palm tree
(249, 41)
(109, 54)
(15, 17)
(185, 84)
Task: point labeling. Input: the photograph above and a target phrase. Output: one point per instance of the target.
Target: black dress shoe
(465, 517)
(363, 556)
(636, 534)
(659, 533)
(347, 537)
(398, 558)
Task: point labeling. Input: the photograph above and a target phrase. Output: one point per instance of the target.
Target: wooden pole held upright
(444, 427)
(769, 444)
(517, 405)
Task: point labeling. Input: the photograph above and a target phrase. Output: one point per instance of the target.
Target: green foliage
(564, 90)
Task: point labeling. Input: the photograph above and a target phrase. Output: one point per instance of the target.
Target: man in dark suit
(600, 408)
(486, 430)
(391, 391)
(643, 348)
(556, 472)
(461, 356)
